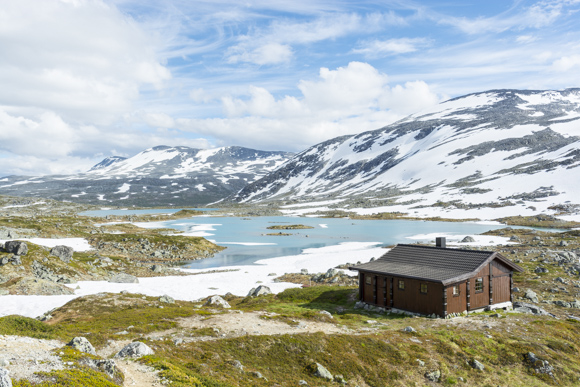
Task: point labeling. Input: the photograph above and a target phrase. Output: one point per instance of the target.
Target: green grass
(74, 377)
(23, 326)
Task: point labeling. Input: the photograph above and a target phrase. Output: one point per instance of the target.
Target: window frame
(456, 290)
(479, 281)
(401, 284)
(368, 280)
(423, 290)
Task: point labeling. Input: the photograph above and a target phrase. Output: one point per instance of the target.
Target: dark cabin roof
(433, 264)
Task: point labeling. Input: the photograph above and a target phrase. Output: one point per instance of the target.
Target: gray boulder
(166, 299)
(467, 239)
(409, 329)
(321, 372)
(433, 376)
(261, 290)
(135, 350)
(83, 345)
(237, 364)
(477, 365)
(16, 247)
(531, 295)
(124, 278)
(539, 365)
(65, 253)
(5, 380)
(107, 366)
(524, 307)
(217, 301)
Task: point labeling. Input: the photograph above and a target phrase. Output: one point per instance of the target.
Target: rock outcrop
(217, 301)
(65, 253)
(16, 247)
(83, 345)
(124, 278)
(135, 350)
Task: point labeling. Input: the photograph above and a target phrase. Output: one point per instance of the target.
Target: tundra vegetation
(324, 327)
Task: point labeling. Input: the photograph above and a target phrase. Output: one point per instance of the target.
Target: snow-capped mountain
(494, 154)
(107, 162)
(157, 176)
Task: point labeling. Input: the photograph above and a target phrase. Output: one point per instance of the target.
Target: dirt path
(236, 323)
(137, 374)
(23, 356)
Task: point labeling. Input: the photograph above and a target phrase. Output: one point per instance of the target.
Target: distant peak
(107, 162)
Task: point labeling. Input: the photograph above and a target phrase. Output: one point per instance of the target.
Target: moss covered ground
(374, 352)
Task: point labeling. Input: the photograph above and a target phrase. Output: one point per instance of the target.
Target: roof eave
(400, 275)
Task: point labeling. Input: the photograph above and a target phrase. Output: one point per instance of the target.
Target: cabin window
(401, 285)
(424, 288)
(368, 280)
(479, 285)
(455, 290)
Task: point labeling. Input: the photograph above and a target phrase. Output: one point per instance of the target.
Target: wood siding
(368, 289)
(413, 300)
(382, 291)
(479, 299)
(457, 304)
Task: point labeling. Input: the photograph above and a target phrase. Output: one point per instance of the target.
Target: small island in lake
(290, 227)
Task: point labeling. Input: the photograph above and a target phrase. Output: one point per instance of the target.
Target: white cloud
(267, 54)
(566, 63)
(539, 15)
(70, 71)
(159, 120)
(273, 45)
(378, 48)
(347, 100)
(82, 59)
(200, 95)
(525, 39)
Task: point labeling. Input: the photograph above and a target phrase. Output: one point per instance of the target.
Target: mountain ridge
(160, 175)
(509, 149)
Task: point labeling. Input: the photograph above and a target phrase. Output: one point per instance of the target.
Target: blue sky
(86, 79)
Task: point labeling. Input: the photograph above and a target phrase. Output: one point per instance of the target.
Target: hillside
(484, 155)
(159, 176)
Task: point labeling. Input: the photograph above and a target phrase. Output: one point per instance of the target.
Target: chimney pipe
(440, 242)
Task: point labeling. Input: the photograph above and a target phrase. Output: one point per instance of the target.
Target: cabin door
(369, 288)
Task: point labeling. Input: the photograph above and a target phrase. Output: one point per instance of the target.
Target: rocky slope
(501, 152)
(159, 176)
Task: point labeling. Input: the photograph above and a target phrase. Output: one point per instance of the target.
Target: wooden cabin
(437, 280)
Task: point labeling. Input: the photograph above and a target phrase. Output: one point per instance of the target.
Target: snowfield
(237, 280)
(486, 155)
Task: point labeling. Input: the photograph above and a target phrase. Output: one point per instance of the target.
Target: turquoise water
(326, 232)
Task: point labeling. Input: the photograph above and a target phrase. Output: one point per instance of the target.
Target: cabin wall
(378, 292)
(479, 299)
(413, 300)
(458, 303)
(368, 288)
(501, 282)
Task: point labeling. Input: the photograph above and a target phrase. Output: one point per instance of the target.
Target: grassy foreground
(373, 351)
